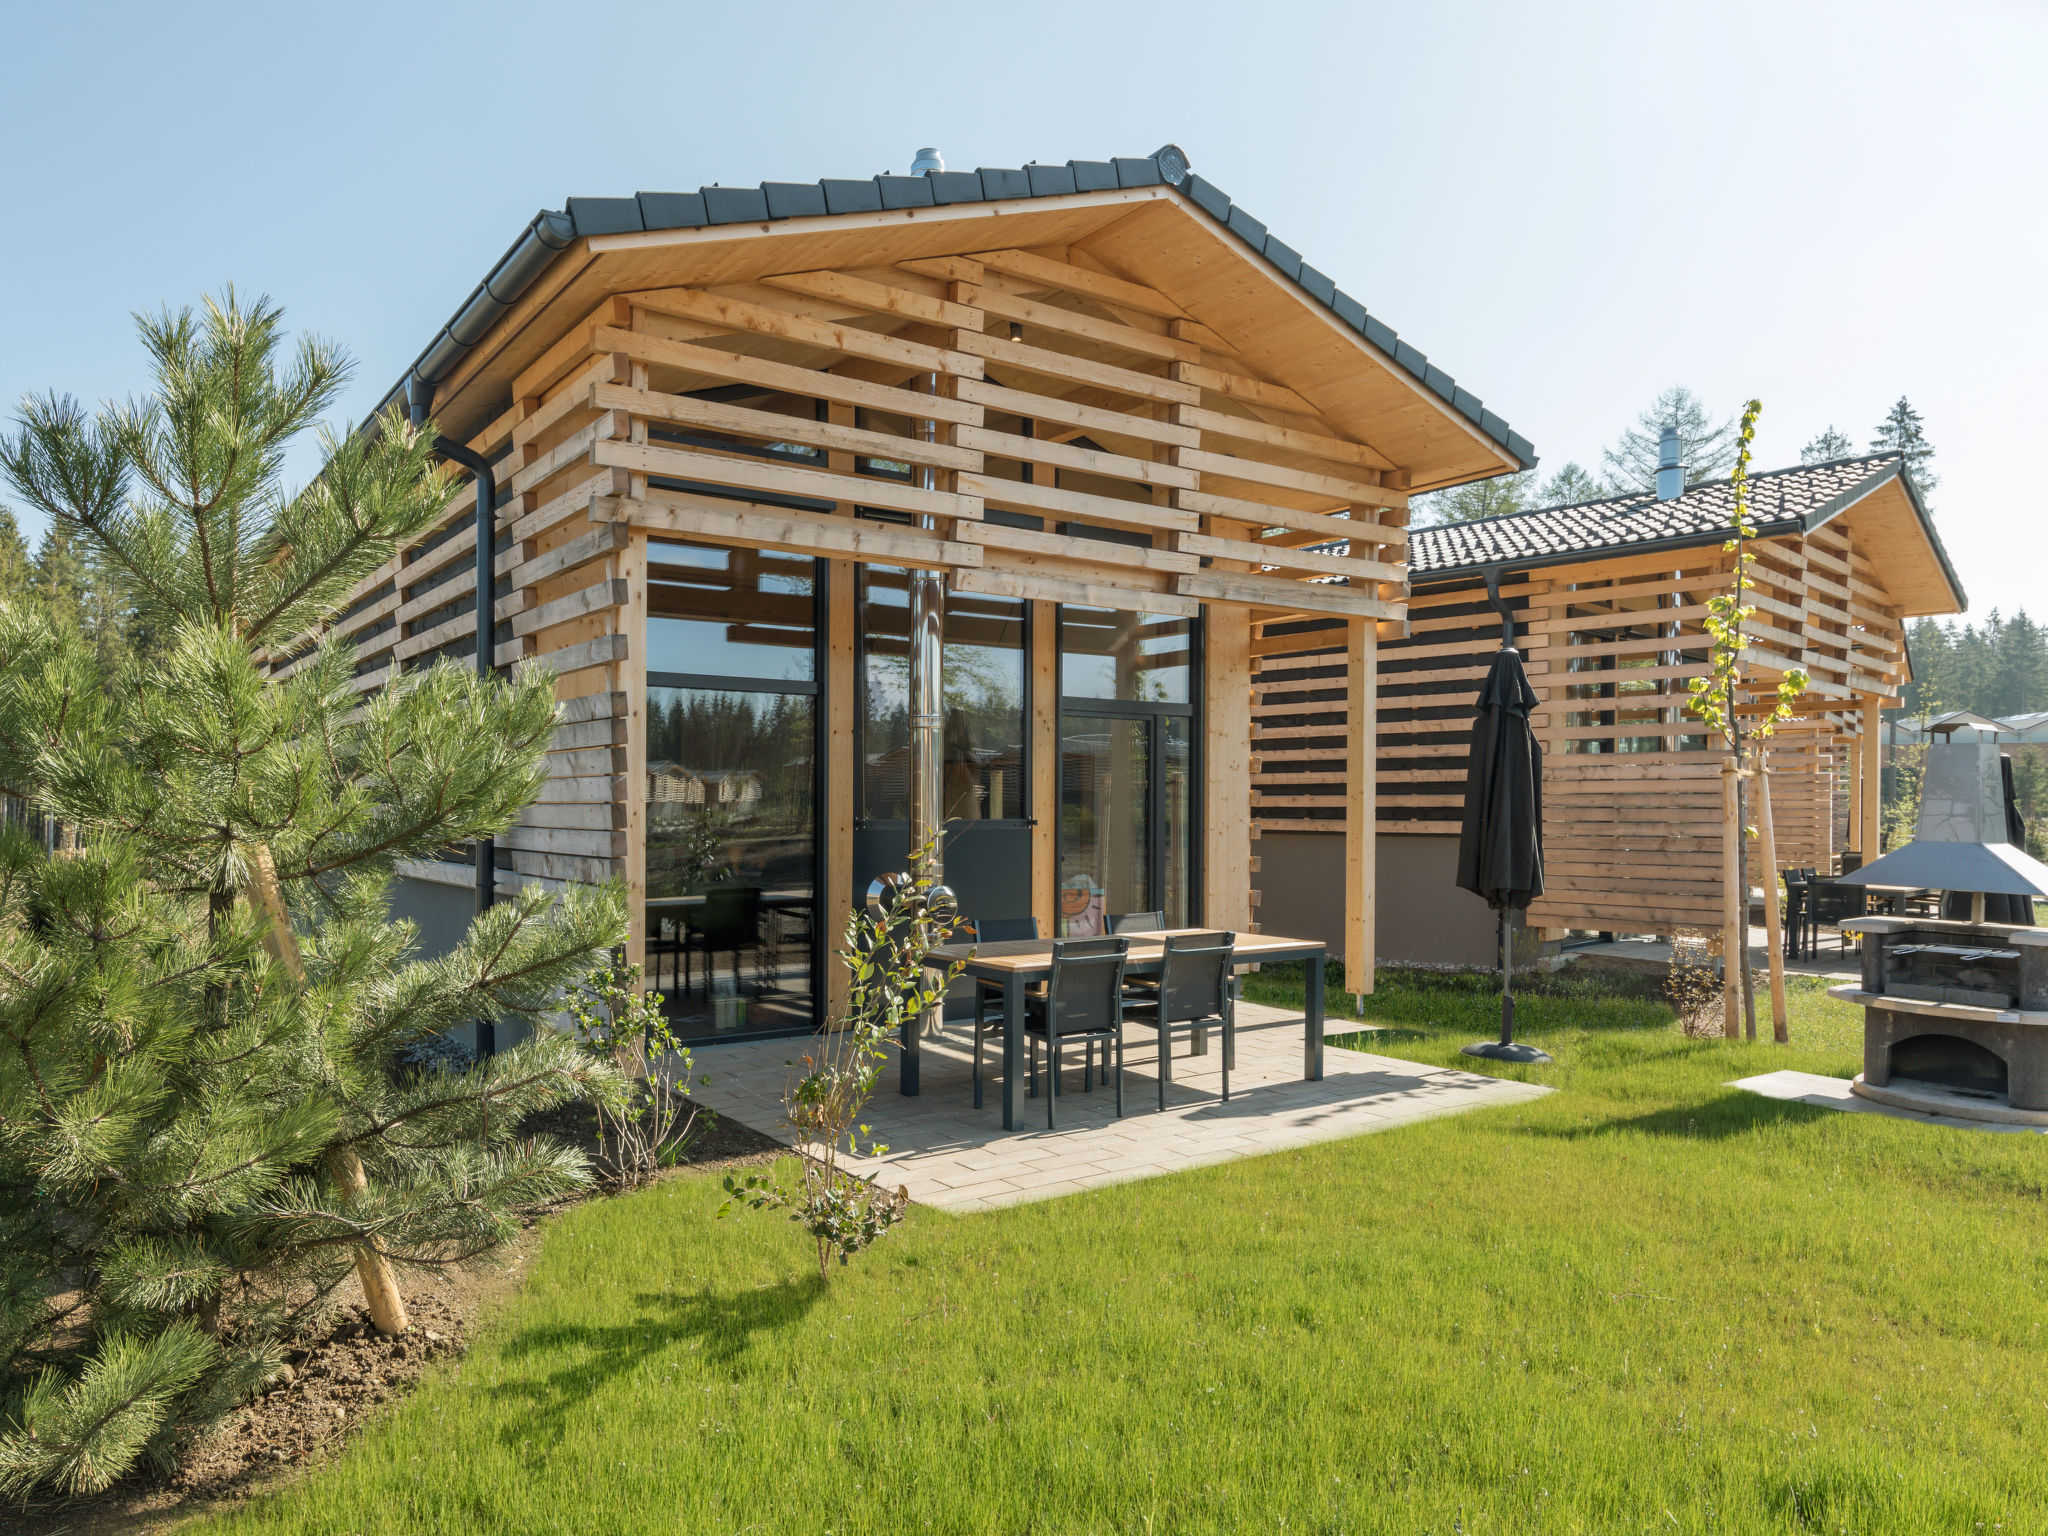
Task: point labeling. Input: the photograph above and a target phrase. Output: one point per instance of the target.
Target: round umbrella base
(1493, 1050)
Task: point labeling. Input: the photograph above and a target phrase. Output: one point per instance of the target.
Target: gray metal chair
(1194, 993)
(1084, 999)
(1137, 922)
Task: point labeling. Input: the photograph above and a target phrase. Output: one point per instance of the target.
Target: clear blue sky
(1569, 206)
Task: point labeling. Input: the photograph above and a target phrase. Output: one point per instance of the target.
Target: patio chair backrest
(1138, 922)
(998, 930)
(1832, 902)
(1194, 978)
(1086, 994)
(731, 914)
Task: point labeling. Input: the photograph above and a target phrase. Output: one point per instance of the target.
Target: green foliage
(1997, 667)
(1902, 431)
(1477, 499)
(888, 989)
(1826, 445)
(1647, 1301)
(651, 1121)
(185, 1084)
(1710, 448)
(1714, 696)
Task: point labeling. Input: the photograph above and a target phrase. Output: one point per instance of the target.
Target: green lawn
(1644, 1303)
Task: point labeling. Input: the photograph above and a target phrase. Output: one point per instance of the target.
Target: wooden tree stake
(1734, 920)
(1767, 845)
(373, 1269)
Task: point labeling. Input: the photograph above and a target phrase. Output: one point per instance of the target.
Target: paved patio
(951, 1155)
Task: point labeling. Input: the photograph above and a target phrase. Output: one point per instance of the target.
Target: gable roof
(551, 232)
(1781, 501)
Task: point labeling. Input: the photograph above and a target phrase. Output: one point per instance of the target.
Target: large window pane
(731, 857)
(1125, 657)
(1105, 819)
(731, 613)
(983, 672)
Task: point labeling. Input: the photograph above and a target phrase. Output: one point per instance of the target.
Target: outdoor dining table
(1015, 964)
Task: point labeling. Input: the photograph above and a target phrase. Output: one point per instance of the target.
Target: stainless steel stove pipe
(927, 682)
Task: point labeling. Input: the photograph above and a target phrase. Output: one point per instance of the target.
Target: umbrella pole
(1507, 979)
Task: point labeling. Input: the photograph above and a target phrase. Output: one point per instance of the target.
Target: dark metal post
(486, 648)
(1507, 977)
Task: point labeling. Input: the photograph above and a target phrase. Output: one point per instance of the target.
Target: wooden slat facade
(1633, 806)
(1095, 440)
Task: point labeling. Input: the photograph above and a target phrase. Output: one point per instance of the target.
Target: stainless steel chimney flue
(1670, 472)
(927, 161)
(927, 680)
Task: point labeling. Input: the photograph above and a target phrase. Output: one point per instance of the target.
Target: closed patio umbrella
(1500, 846)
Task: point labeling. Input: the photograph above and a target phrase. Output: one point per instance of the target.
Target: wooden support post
(1873, 777)
(1767, 845)
(1043, 801)
(1361, 917)
(842, 693)
(631, 677)
(1734, 920)
(1226, 767)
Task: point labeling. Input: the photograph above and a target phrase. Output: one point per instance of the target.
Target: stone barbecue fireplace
(1955, 1017)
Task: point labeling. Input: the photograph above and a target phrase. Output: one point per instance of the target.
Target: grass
(1644, 1303)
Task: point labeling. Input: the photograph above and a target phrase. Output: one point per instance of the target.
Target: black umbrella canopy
(1500, 847)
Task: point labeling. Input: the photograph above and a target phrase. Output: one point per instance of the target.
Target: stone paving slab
(951, 1155)
(1833, 1093)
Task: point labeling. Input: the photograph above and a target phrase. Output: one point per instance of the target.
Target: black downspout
(486, 640)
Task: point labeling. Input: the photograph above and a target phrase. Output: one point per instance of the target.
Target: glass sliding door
(984, 779)
(732, 789)
(1126, 834)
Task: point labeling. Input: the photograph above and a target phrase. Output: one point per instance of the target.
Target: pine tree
(16, 574)
(1572, 484)
(204, 1119)
(1479, 498)
(1829, 444)
(1706, 449)
(1902, 431)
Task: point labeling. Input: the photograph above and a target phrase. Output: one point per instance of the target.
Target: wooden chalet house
(841, 508)
(1607, 599)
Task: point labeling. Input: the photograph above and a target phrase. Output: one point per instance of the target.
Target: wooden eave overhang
(1281, 316)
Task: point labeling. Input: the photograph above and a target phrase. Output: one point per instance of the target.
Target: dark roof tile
(1050, 180)
(1315, 285)
(998, 183)
(1412, 358)
(1381, 335)
(1137, 173)
(794, 199)
(905, 191)
(672, 210)
(605, 215)
(1093, 175)
(1285, 257)
(1349, 310)
(735, 205)
(1208, 197)
(955, 187)
(1703, 514)
(852, 196)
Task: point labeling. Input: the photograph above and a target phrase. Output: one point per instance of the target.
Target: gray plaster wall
(1423, 916)
(443, 913)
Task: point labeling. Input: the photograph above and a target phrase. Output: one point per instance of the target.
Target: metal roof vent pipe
(1670, 473)
(927, 161)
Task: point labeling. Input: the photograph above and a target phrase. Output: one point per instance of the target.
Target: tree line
(1629, 465)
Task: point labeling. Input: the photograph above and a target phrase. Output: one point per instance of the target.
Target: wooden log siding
(1609, 646)
(1063, 395)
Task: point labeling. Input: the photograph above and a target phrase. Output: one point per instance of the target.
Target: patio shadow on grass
(726, 1325)
(1730, 1114)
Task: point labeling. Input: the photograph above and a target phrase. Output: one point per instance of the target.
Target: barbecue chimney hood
(1960, 843)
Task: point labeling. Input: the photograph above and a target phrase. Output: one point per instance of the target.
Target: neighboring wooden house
(1126, 423)
(1607, 599)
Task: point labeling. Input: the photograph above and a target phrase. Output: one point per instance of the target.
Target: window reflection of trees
(730, 789)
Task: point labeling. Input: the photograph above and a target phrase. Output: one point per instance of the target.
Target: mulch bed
(337, 1379)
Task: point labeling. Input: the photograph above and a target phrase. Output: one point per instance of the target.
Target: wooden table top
(1023, 956)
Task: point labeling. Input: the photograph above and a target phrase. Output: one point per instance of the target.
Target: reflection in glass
(731, 832)
(984, 692)
(1104, 838)
(1176, 768)
(1125, 657)
(731, 612)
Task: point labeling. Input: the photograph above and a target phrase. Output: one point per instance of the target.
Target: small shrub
(650, 1124)
(884, 950)
(1694, 988)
